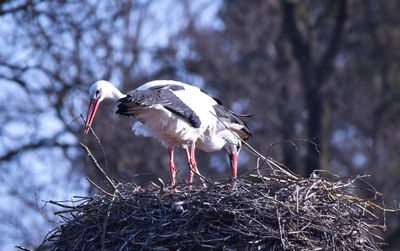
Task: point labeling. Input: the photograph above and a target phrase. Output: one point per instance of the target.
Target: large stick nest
(269, 212)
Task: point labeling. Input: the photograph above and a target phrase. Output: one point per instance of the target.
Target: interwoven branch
(279, 212)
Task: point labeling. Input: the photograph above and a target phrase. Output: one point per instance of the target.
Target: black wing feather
(161, 95)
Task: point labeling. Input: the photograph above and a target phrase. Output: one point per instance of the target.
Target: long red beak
(234, 168)
(93, 105)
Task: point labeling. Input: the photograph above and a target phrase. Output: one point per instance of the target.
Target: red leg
(190, 166)
(172, 167)
(194, 164)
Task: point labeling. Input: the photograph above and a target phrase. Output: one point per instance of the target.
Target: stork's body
(177, 114)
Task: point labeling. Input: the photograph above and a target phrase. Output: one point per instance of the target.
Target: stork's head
(233, 145)
(98, 92)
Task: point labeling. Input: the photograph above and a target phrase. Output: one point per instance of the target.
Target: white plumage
(177, 114)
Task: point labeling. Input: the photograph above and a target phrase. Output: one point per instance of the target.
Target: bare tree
(315, 68)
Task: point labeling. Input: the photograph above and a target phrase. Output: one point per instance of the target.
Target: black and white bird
(177, 114)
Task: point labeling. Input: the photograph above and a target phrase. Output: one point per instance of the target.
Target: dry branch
(96, 164)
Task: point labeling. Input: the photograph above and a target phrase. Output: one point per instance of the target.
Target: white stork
(179, 115)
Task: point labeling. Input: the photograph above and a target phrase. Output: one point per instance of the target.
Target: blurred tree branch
(314, 74)
(22, 7)
(34, 146)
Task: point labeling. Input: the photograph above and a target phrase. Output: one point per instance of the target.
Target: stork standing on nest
(177, 114)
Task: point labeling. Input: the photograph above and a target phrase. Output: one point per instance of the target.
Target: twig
(41, 211)
(103, 233)
(280, 228)
(209, 181)
(22, 248)
(96, 164)
(98, 187)
(98, 141)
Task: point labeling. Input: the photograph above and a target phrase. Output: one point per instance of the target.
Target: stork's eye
(97, 92)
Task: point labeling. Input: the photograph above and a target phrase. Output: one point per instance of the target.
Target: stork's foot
(234, 186)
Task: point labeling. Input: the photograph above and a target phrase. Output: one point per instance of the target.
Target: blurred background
(320, 78)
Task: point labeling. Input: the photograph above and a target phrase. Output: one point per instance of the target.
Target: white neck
(116, 94)
(105, 90)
